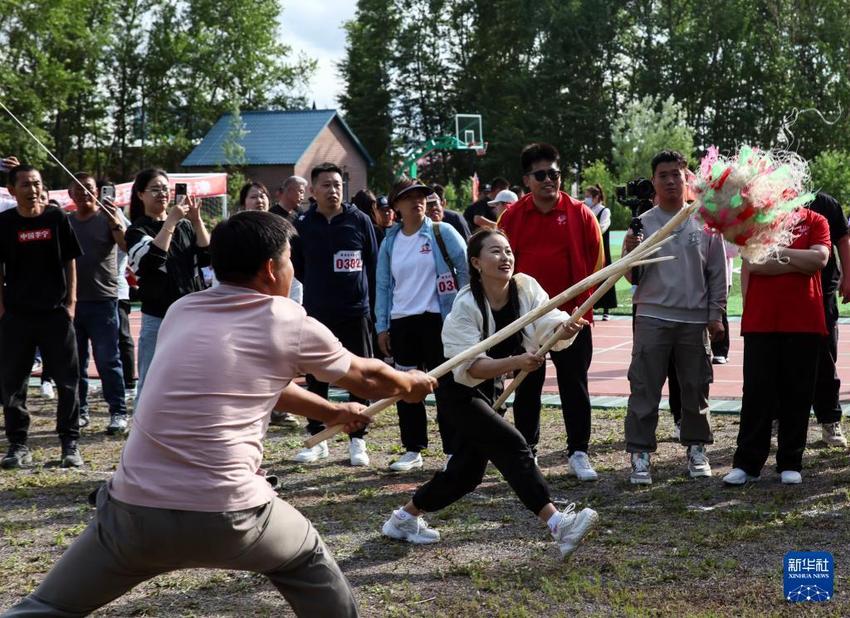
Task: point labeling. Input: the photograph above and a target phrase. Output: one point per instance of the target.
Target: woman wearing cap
(594, 199)
(421, 266)
(494, 298)
(500, 204)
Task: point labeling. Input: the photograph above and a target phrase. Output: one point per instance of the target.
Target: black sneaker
(19, 455)
(71, 457)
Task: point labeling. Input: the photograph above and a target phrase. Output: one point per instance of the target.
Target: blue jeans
(147, 346)
(97, 321)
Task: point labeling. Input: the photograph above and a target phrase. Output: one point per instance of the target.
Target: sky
(314, 28)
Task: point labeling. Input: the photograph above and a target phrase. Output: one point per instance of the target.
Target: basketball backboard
(469, 130)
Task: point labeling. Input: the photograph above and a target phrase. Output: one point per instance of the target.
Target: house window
(345, 191)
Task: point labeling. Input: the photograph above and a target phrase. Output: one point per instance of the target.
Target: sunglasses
(541, 175)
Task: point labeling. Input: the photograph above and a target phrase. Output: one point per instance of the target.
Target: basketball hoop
(480, 149)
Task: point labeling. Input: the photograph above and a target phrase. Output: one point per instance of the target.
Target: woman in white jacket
(493, 299)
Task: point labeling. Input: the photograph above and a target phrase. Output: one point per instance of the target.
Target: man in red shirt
(556, 240)
(783, 324)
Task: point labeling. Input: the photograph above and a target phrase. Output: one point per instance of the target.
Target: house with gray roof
(278, 144)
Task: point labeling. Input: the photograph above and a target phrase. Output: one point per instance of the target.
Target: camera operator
(679, 304)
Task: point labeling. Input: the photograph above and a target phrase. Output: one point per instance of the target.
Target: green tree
(646, 127)
(367, 98)
(831, 173)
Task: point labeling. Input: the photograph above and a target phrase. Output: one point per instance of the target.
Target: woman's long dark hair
(137, 207)
(473, 250)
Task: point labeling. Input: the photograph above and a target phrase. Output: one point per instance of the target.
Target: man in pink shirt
(189, 491)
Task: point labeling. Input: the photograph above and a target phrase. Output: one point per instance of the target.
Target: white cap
(505, 196)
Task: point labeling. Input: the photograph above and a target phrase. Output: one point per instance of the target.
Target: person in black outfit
(437, 212)
(334, 256)
(482, 206)
(37, 251)
(826, 405)
(289, 198)
(166, 252)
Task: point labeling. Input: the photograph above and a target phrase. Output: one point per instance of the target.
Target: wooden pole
(556, 336)
(649, 246)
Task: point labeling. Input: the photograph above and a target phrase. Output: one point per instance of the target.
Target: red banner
(199, 185)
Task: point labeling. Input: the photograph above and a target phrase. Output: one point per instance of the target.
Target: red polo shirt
(793, 302)
(558, 248)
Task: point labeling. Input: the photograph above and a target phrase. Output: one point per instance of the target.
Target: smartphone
(107, 192)
(181, 189)
(3, 167)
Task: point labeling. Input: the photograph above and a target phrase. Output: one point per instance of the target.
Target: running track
(612, 347)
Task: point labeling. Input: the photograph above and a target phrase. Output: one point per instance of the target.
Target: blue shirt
(335, 261)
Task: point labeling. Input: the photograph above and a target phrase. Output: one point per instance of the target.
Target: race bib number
(347, 262)
(446, 284)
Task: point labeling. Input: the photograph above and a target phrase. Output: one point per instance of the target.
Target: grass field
(679, 547)
(624, 295)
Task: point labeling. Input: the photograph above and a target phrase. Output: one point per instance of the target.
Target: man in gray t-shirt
(100, 232)
(679, 306)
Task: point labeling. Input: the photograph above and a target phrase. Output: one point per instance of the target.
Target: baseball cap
(506, 196)
(382, 201)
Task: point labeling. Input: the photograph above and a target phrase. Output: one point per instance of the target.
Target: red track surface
(612, 342)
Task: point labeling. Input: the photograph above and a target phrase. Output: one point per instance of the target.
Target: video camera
(637, 196)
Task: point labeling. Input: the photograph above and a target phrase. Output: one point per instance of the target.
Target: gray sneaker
(698, 464)
(71, 457)
(19, 455)
(117, 425)
(640, 469)
(573, 528)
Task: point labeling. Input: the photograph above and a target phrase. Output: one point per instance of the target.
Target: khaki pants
(125, 545)
(654, 341)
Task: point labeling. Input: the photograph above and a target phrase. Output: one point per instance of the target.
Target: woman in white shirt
(594, 198)
(421, 266)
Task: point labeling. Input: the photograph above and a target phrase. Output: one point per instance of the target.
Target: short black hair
(241, 245)
(322, 168)
(539, 151)
(499, 184)
(669, 156)
(19, 169)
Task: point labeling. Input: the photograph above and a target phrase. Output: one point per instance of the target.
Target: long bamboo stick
(556, 336)
(649, 246)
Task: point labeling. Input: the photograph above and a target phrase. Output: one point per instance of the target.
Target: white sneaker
(357, 451)
(448, 459)
(407, 462)
(677, 431)
(309, 455)
(738, 477)
(832, 435)
(117, 425)
(411, 529)
(640, 469)
(47, 390)
(719, 360)
(791, 477)
(580, 466)
(698, 464)
(573, 528)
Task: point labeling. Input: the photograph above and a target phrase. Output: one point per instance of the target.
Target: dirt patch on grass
(678, 547)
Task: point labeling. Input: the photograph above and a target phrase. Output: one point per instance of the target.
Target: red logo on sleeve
(35, 235)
